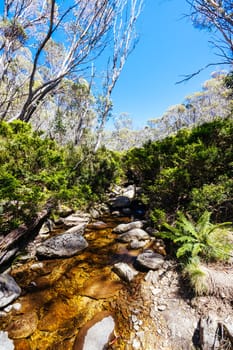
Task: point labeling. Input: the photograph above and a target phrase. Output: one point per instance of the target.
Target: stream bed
(62, 298)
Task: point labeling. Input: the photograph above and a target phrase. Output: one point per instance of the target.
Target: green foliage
(190, 171)
(202, 239)
(34, 170)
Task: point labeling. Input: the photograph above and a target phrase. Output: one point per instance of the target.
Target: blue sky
(169, 47)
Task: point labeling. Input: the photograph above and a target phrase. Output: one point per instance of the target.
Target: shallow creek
(60, 297)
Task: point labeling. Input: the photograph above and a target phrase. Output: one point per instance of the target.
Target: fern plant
(204, 239)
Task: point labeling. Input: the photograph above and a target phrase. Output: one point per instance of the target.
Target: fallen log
(19, 237)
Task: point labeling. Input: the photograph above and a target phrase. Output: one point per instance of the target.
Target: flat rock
(76, 219)
(96, 333)
(150, 260)
(134, 234)
(127, 227)
(9, 290)
(23, 326)
(78, 228)
(63, 245)
(101, 287)
(126, 272)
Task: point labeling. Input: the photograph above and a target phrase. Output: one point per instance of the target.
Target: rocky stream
(102, 281)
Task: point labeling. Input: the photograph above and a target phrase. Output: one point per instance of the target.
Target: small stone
(162, 307)
(136, 344)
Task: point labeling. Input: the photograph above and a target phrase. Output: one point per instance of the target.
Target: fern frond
(185, 248)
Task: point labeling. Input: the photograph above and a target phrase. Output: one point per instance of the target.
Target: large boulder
(132, 235)
(64, 245)
(9, 290)
(150, 260)
(127, 227)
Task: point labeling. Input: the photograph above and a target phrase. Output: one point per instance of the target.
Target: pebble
(162, 307)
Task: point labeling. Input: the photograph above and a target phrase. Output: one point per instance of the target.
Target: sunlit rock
(5, 342)
(132, 235)
(126, 272)
(127, 227)
(64, 245)
(95, 335)
(150, 260)
(9, 290)
(76, 219)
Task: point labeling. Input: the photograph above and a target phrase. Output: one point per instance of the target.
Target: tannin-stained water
(61, 296)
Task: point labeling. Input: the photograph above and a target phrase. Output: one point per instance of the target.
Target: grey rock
(134, 234)
(9, 290)
(150, 260)
(8, 255)
(98, 335)
(129, 191)
(137, 244)
(5, 342)
(208, 331)
(126, 272)
(127, 227)
(78, 229)
(64, 245)
(46, 227)
(76, 219)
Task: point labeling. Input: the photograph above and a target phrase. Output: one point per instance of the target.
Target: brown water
(60, 296)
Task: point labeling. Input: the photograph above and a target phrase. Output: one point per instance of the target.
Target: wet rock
(120, 202)
(132, 235)
(150, 260)
(101, 287)
(64, 245)
(126, 272)
(23, 325)
(98, 225)
(95, 335)
(5, 342)
(127, 227)
(9, 290)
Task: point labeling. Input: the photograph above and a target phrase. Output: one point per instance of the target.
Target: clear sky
(169, 47)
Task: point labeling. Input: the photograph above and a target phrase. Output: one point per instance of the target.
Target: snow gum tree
(46, 42)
